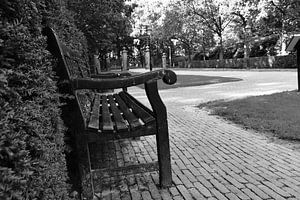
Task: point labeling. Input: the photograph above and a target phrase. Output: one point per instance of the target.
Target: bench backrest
(71, 64)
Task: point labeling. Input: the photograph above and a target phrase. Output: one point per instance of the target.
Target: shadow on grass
(194, 80)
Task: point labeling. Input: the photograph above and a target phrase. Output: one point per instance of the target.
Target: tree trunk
(189, 63)
(221, 54)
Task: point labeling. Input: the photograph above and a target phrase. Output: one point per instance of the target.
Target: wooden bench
(111, 116)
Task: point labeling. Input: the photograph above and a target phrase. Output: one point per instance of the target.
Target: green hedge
(32, 148)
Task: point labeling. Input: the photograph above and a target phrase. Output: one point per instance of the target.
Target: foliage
(105, 24)
(279, 15)
(191, 34)
(32, 159)
(237, 28)
(215, 15)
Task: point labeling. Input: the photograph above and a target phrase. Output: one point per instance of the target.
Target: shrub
(32, 159)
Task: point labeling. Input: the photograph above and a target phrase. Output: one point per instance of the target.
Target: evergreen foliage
(32, 147)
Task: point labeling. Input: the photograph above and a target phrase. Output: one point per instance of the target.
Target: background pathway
(211, 158)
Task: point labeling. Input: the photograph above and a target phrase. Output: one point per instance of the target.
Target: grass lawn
(278, 113)
(194, 80)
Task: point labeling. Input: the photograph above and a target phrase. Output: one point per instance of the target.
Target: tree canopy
(219, 24)
(106, 24)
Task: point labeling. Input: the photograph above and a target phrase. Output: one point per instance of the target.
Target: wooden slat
(145, 116)
(94, 118)
(133, 121)
(86, 109)
(116, 113)
(150, 129)
(68, 63)
(107, 124)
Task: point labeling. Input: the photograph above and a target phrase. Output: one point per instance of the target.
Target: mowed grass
(194, 80)
(278, 113)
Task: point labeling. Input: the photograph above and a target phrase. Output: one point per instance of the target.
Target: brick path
(211, 159)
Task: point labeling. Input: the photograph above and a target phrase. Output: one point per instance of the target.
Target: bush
(32, 159)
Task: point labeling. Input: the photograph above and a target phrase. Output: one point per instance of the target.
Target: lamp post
(174, 42)
(170, 55)
(247, 29)
(145, 34)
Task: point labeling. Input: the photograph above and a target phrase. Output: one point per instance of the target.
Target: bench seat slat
(121, 124)
(107, 124)
(138, 110)
(94, 118)
(133, 121)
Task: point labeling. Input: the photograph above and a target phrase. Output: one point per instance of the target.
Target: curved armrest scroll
(168, 76)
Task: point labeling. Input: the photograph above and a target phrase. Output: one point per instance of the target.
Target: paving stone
(238, 192)
(257, 191)
(184, 192)
(232, 196)
(233, 181)
(219, 176)
(165, 194)
(174, 191)
(178, 198)
(271, 192)
(293, 192)
(218, 195)
(194, 170)
(180, 164)
(196, 194)
(185, 181)
(154, 191)
(146, 195)
(135, 194)
(251, 194)
(202, 189)
(219, 186)
(189, 175)
(276, 189)
(250, 179)
(204, 181)
(176, 180)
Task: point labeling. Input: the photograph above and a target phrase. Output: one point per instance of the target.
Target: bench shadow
(107, 156)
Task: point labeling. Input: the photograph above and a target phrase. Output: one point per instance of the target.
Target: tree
(279, 17)
(179, 24)
(106, 24)
(245, 14)
(149, 15)
(214, 14)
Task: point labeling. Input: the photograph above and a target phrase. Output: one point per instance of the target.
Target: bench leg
(162, 134)
(163, 153)
(85, 168)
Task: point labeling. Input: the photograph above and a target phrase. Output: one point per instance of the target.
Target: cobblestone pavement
(211, 158)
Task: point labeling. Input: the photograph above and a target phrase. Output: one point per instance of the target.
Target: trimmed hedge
(32, 147)
(266, 62)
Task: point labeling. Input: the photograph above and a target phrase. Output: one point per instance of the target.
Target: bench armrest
(168, 76)
(111, 75)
